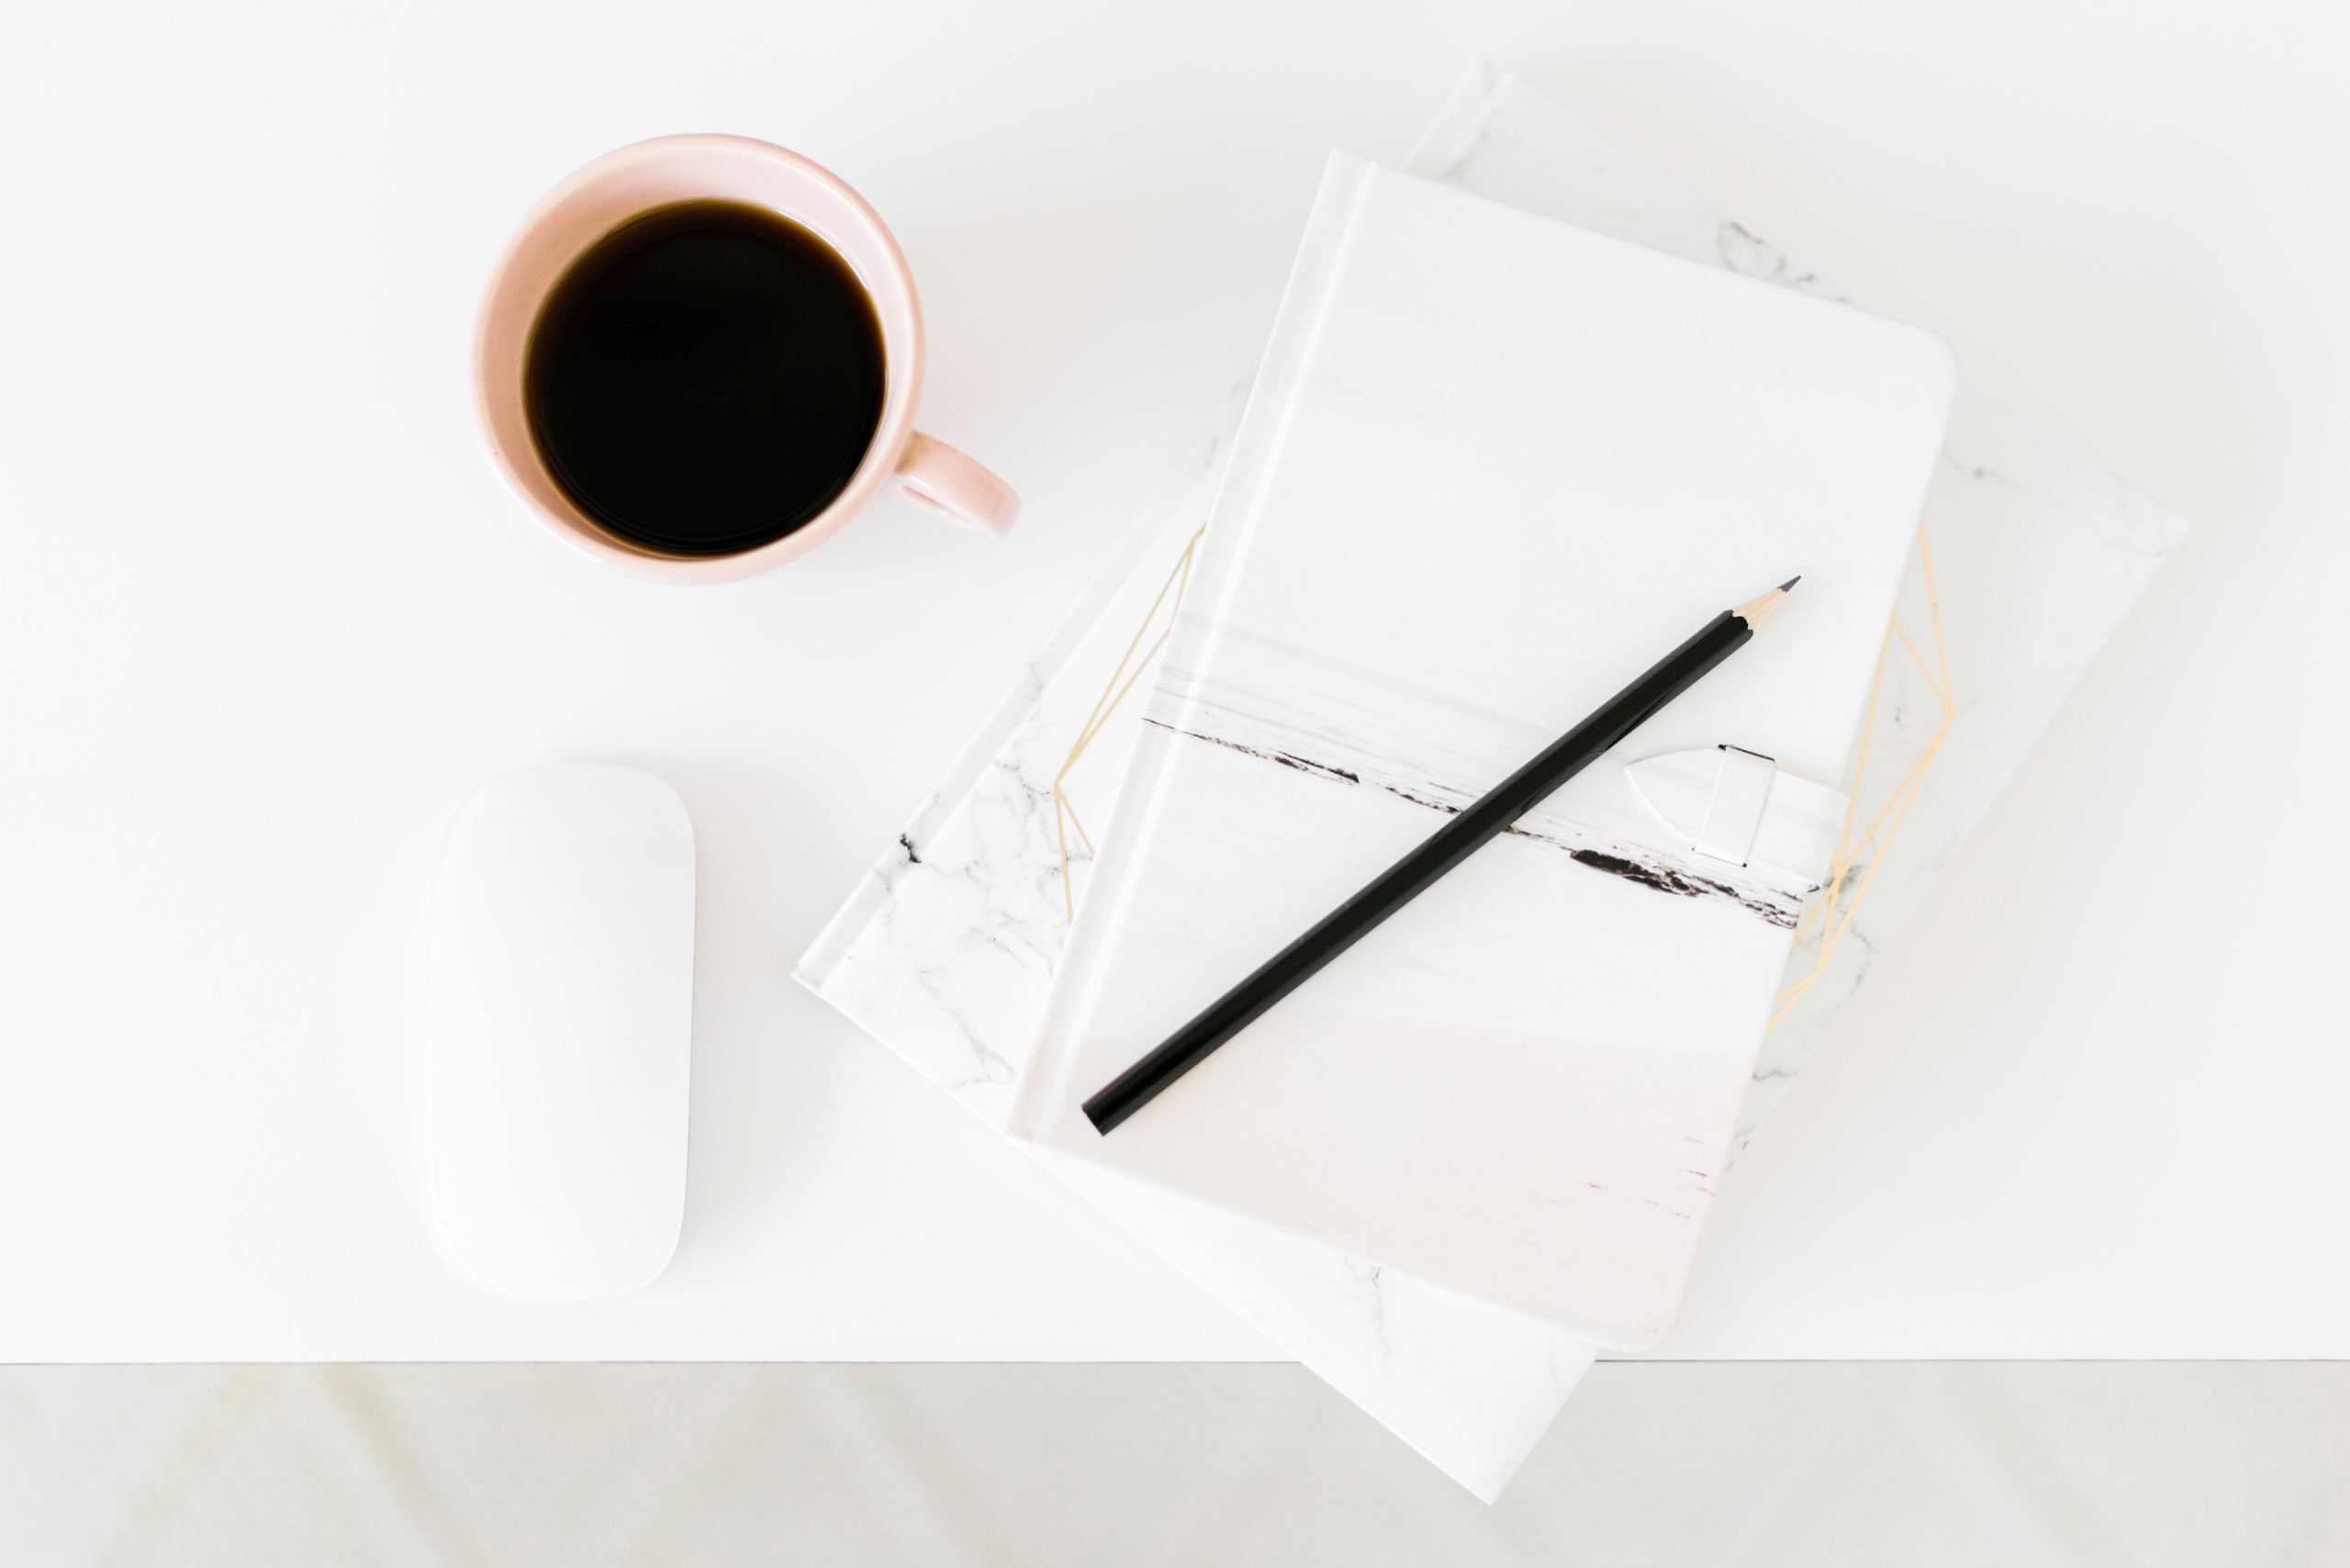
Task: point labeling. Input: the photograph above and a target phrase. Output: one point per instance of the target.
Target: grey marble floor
(1673, 1463)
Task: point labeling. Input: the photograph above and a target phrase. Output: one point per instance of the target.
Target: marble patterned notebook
(2029, 555)
(1492, 467)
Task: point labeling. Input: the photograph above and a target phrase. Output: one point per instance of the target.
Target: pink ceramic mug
(635, 180)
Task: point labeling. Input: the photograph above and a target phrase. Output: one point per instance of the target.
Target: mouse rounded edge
(559, 1033)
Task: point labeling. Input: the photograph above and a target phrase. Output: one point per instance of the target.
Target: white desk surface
(265, 615)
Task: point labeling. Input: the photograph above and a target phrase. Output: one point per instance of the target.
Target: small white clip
(1735, 806)
(1736, 810)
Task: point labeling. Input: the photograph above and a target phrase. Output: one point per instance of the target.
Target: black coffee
(705, 378)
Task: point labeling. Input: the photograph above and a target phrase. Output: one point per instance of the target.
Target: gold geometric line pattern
(1882, 829)
(1121, 682)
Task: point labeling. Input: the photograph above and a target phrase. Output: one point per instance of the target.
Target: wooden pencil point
(1756, 610)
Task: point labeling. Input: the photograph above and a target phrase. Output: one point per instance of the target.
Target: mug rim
(902, 371)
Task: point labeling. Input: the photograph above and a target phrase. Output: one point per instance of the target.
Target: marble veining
(1352, 728)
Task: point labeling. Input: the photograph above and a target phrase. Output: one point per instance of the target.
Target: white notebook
(1494, 466)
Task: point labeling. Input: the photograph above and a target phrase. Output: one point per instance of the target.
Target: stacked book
(1508, 443)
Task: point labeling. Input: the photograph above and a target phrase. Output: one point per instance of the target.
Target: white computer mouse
(559, 1033)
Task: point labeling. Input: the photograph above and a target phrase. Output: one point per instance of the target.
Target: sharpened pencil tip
(1756, 610)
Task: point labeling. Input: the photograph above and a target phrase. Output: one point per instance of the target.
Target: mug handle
(935, 475)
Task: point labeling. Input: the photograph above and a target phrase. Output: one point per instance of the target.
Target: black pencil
(1418, 871)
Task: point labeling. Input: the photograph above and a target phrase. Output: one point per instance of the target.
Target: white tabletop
(267, 615)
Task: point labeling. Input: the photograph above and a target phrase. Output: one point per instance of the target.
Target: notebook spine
(1264, 428)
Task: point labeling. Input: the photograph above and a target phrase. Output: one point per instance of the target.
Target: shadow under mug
(635, 180)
